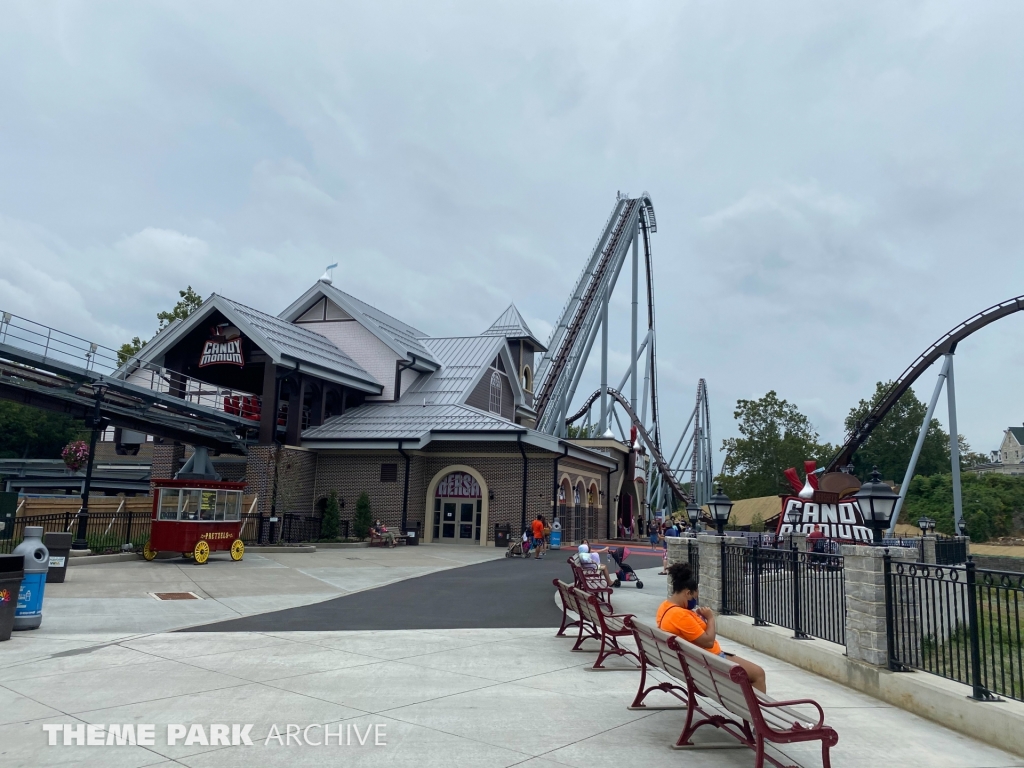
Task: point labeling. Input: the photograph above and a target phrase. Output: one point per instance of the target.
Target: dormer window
(527, 379)
(495, 402)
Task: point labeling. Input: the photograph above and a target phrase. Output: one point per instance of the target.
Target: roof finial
(326, 277)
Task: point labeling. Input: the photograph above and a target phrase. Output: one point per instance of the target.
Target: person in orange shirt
(538, 536)
(681, 616)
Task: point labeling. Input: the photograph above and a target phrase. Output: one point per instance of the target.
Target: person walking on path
(538, 536)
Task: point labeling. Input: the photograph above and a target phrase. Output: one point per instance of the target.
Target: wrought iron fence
(106, 531)
(950, 551)
(802, 591)
(958, 622)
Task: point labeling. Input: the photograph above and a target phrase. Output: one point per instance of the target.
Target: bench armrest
(797, 702)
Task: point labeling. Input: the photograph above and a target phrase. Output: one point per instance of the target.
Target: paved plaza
(457, 696)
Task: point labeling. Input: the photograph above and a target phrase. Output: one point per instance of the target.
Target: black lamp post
(693, 514)
(877, 502)
(963, 526)
(95, 422)
(926, 524)
(720, 506)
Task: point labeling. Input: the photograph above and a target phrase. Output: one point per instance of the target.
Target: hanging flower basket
(75, 454)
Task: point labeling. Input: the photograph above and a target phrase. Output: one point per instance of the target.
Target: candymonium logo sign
(221, 353)
(841, 521)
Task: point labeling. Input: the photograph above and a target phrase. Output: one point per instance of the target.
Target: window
(527, 379)
(388, 473)
(169, 503)
(495, 404)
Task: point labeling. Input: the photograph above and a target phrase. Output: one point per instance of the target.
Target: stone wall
(865, 600)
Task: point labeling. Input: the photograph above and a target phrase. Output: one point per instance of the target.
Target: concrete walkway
(451, 697)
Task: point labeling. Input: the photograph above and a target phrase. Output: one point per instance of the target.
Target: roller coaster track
(945, 345)
(577, 324)
(652, 446)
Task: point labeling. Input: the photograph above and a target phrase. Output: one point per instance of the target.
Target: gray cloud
(835, 186)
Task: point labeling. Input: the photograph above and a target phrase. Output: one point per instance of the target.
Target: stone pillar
(928, 549)
(259, 475)
(800, 539)
(167, 459)
(865, 600)
(710, 547)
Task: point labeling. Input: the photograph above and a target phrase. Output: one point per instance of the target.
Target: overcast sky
(836, 185)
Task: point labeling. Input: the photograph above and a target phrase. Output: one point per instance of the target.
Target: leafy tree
(892, 442)
(362, 521)
(32, 433)
(129, 349)
(757, 523)
(991, 503)
(329, 519)
(189, 302)
(774, 436)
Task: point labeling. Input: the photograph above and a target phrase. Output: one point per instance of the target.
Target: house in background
(1010, 455)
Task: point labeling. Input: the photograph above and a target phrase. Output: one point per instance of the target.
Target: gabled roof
(461, 359)
(403, 339)
(511, 325)
(1018, 434)
(286, 344)
(406, 422)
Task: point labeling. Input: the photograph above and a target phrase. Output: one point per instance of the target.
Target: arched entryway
(457, 507)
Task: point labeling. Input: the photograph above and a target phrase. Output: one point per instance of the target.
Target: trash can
(556, 535)
(11, 573)
(59, 547)
(8, 514)
(412, 537)
(29, 613)
(502, 534)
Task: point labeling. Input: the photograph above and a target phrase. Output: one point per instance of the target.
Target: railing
(950, 551)
(107, 531)
(802, 591)
(57, 347)
(957, 622)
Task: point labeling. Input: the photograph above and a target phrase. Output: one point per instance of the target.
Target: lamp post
(963, 526)
(720, 506)
(926, 524)
(693, 514)
(877, 502)
(95, 422)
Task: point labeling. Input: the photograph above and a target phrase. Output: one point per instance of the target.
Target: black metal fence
(959, 622)
(950, 551)
(802, 591)
(107, 531)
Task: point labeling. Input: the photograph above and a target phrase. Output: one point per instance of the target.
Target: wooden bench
(656, 653)
(760, 718)
(376, 540)
(610, 627)
(570, 602)
(590, 579)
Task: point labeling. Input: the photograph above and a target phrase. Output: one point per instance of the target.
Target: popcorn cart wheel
(196, 517)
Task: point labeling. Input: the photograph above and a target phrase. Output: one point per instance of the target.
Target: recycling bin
(11, 573)
(59, 547)
(29, 612)
(412, 537)
(556, 535)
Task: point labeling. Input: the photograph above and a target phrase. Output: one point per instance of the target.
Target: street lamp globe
(877, 501)
(693, 514)
(720, 506)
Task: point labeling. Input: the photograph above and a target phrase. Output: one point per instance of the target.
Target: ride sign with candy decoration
(828, 504)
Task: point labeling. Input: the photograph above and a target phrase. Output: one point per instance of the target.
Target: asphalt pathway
(506, 593)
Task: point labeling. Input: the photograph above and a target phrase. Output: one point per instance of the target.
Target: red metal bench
(656, 653)
(760, 718)
(590, 579)
(610, 628)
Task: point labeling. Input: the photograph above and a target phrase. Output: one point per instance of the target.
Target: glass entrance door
(448, 520)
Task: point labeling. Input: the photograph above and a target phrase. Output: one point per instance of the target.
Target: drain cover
(175, 595)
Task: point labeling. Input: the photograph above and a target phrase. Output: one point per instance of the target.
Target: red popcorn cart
(196, 517)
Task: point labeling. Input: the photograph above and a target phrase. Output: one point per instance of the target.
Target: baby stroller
(624, 570)
(518, 548)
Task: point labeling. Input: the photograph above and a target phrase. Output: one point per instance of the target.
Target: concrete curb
(341, 544)
(935, 698)
(117, 557)
(302, 549)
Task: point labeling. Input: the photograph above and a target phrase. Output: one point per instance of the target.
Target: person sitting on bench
(680, 615)
(381, 530)
(592, 559)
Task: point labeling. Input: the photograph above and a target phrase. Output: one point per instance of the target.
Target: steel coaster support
(633, 324)
(604, 359)
(905, 486)
(954, 446)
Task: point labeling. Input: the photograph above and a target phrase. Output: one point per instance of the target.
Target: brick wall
(350, 473)
(296, 479)
(167, 458)
(259, 475)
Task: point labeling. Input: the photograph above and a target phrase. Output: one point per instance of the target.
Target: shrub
(329, 519)
(362, 521)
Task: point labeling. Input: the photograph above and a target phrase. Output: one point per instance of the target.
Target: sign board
(841, 521)
(458, 485)
(224, 347)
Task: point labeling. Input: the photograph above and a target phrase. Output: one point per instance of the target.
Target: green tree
(362, 521)
(189, 302)
(774, 436)
(32, 433)
(757, 523)
(329, 520)
(991, 503)
(892, 442)
(129, 349)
